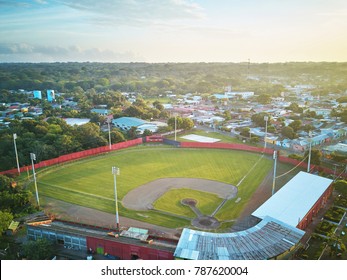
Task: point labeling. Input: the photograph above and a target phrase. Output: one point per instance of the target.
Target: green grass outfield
(89, 182)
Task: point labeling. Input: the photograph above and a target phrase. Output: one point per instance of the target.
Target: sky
(173, 30)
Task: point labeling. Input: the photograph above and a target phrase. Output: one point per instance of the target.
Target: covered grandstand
(282, 220)
(298, 201)
(267, 240)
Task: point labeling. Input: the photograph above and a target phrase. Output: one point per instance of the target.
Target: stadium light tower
(33, 157)
(266, 118)
(115, 172)
(109, 133)
(309, 152)
(15, 150)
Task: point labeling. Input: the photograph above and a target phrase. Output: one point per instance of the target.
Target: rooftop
(128, 122)
(294, 200)
(266, 240)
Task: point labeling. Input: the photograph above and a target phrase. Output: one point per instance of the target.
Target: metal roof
(295, 199)
(128, 122)
(266, 240)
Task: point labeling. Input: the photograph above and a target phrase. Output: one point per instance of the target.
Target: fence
(269, 151)
(78, 155)
(230, 146)
(130, 143)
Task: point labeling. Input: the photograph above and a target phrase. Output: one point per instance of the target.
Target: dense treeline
(15, 202)
(155, 79)
(49, 139)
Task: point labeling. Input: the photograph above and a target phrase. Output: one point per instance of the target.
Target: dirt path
(75, 213)
(142, 197)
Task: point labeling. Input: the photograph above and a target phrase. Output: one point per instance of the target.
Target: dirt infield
(142, 197)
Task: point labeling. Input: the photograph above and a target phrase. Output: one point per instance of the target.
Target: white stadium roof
(295, 199)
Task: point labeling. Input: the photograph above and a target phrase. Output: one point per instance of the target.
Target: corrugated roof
(293, 201)
(128, 122)
(266, 240)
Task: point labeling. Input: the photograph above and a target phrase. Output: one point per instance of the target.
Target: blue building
(125, 123)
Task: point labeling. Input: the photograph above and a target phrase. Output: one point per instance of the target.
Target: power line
(292, 168)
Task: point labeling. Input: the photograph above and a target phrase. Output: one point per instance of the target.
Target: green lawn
(89, 182)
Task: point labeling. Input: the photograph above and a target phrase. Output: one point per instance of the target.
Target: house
(101, 112)
(339, 148)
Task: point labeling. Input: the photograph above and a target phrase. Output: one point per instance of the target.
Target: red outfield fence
(243, 147)
(156, 138)
(78, 155)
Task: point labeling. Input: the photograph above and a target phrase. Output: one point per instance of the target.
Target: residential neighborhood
(238, 120)
(230, 111)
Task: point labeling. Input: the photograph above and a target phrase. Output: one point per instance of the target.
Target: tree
(89, 136)
(308, 127)
(134, 111)
(5, 182)
(342, 99)
(41, 249)
(258, 119)
(5, 220)
(288, 131)
(295, 125)
(181, 123)
(147, 132)
(295, 108)
(187, 124)
(344, 116)
(117, 136)
(245, 131)
(264, 99)
(334, 113)
(315, 156)
(158, 105)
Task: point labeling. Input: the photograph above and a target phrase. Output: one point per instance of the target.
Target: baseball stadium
(154, 198)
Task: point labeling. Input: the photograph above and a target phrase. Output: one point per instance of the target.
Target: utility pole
(109, 133)
(309, 152)
(266, 118)
(115, 172)
(274, 177)
(15, 149)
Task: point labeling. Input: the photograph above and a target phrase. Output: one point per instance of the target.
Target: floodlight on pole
(266, 118)
(15, 149)
(115, 172)
(309, 153)
(33, 157)
(274, 173)
(109, 133)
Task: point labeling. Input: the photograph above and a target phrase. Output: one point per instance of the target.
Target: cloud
(135, 12)
(40, 53)
(21, 3)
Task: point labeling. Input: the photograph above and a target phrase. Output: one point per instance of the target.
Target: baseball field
(153, 180)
